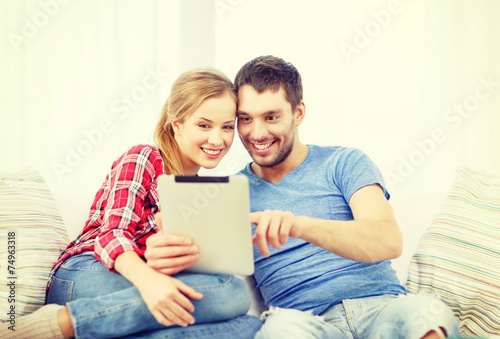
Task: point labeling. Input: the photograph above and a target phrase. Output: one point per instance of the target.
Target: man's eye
(244, 119)
(272, 118)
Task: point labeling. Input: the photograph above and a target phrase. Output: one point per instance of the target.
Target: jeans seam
(215, 287)
(83, 268)
(67, 283)
(109, 310)
(68, 265)
(350, 318)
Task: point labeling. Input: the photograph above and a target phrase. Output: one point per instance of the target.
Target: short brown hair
(270, 73)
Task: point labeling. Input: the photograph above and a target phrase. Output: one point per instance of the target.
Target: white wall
(84, 81)
(384, 76)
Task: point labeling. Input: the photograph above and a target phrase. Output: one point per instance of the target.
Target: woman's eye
(203, 125)
(229, 127)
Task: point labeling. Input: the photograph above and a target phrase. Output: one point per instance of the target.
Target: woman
(101, 286)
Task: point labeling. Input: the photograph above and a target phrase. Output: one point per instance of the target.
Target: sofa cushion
(32, 235)
(414, 214)
(458, 257)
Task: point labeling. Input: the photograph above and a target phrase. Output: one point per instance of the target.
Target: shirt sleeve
(353, 169)
(129, 182)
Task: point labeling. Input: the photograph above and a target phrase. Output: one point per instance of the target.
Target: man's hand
(274, 228)
(372, 236)
(169, 253)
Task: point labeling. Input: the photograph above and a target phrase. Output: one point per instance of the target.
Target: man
(323, 229)
(324, 212)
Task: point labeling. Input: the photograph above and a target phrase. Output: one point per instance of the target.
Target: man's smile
(262, 148)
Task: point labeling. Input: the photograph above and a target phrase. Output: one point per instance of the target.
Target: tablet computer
(215, 213)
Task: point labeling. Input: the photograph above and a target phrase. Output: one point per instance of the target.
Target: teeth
(264, 146)
(211, 152)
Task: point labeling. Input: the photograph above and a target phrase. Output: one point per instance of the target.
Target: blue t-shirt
(304, 276)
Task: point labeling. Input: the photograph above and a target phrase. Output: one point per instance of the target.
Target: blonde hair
(188, 92)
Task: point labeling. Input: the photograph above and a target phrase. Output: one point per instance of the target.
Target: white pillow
(458, 257)
(32, 235)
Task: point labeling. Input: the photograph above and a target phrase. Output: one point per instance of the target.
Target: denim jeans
(386, 316)
(103, 304)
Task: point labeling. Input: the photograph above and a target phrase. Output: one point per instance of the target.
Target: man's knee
(421, 314)
(290, 323)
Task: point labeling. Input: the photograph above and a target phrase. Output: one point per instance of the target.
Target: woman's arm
(167, 298)
(122, 201)
(124, 207)
(372, 236)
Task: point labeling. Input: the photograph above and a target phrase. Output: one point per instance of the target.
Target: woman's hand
(169, 253)
(167, 298)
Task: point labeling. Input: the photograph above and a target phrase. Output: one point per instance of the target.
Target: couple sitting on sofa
(323, 211)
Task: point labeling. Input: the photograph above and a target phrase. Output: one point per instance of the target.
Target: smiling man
(271, 135)
(323, 228)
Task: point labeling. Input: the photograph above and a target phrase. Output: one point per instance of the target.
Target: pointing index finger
(255, 217)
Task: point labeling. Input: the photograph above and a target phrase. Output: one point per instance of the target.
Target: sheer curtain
(82, 81)
(413, 83)
(460, 97)
(463, 77)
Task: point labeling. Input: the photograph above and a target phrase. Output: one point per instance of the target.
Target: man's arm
(372, 236)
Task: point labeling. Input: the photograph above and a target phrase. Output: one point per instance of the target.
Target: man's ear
(300, 113)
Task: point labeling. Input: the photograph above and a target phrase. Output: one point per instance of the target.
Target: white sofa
(450, 245)
(414, 215)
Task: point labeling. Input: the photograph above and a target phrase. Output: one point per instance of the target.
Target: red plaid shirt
(122, 215)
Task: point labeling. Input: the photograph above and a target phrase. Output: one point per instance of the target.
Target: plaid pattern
(122, 215)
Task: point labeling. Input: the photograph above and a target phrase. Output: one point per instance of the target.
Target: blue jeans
(386, 316)
(103, 304)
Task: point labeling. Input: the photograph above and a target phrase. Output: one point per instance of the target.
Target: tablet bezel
(215, 212)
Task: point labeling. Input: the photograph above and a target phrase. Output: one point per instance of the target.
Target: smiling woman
(195, 130)
(195, 95)
(207, 134)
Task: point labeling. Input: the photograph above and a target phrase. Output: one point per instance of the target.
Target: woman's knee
(232, 296)
(224, 296)
(240, 296)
